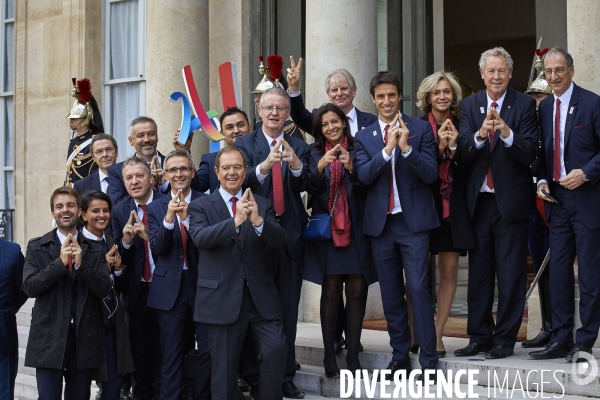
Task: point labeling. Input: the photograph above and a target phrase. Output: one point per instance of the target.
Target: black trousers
(500, 251)
(77, 381)
(111, 388)
(9, 364)
(225, 345)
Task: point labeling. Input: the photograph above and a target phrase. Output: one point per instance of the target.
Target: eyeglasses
(175, 170)
(558, 71)
(108, 150)
(269, 109)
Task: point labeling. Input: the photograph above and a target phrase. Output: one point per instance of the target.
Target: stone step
(24, 317)
(22, 368)
(23, 334)
(557, 375)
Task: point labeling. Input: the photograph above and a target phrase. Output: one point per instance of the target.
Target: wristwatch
(585, 177)
(480, 138)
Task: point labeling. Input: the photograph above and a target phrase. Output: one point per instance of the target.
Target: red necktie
(391, 198)
(184, 241)
(70, 264)
(556, 168)
(146, 274)
(278, 204)
(490, 181)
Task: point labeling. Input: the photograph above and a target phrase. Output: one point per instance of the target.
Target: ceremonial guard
(272, 77)
(85, 121)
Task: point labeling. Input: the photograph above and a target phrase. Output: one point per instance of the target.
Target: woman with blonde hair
(438, 96)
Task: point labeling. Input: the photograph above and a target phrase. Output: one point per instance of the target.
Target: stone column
(177, 35)
(583, 33)
(339, 34)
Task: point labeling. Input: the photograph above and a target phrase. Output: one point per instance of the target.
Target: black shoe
(338, 345)
(414, 348)
(125, 395)
(360, 348)
(553, 350)
(244, 387)
(541, 340)
(579, 347)
(499, 351)
(290, 391)
(473, 349)
(394, 366)
(331, 368)
(255, 392)
(441, 354)
(298, 366)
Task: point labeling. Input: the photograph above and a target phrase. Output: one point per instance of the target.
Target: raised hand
(128, 233)
(488, 124)
(499, 124)
(327, 159)
(392, 140)
(177, 206)
(345, 159)
(293, 75)
(66, 250)
(158, 175)
(140, 229)
(253, 215)
(241, 213)
(113, 258)
(273, 157)
(188, 143)
(183, 207)
(403, 136)
(289, 155)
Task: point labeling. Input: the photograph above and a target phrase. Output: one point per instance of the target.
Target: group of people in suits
(144, 268)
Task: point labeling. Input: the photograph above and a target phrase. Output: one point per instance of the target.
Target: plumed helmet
(85, 105)
(539, 84)
(270, 74)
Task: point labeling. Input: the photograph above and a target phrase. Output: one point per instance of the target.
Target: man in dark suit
(341, 90)
(173, 290)
(396, 159)
(234, 123)
(570, 122)
(12, 298)
(236, 294)
(136, 277)
(498, 133)
(143, 136)
(278, 170)
(67, 275)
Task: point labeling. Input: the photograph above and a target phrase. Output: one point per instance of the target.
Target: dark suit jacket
(46, 278)
(91, 182)
(225, 258)
(116, 188)
(256, 149)
(319, 188)
(167, 251)
(510, 165)
(581, 150)
(133, 258)
(206, 179)
(414, 175)
(304, 118)
(12, 296)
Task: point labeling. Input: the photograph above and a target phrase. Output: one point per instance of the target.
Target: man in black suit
(173, 290)
(570, 122)
(143, 136)
(136, 277)
(341, 90)
(234, 123)
(498, 133)
(105, 151)
(12, 298)
(67, 275)
(235, 234)
(278, 170)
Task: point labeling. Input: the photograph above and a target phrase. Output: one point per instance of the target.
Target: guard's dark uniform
(83, 163)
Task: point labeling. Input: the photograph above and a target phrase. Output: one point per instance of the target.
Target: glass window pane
(10, 9)
(125, 106)
(8, 132)
(9, 70)
(124, 39)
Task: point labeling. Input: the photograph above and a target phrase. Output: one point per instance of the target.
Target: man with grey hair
(499, 136)
(341, 90)
(143, 136)
(173, 290)
(278, 170)
(569, 169)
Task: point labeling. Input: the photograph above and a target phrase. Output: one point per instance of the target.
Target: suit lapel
(507, 107)
(481, 104)
(262, 144)
(54, 249)
(571, 116)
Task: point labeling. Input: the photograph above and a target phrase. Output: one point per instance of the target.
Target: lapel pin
(571, 110)
(374, 133)
(482, 110)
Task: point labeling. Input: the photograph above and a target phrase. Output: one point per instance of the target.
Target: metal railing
(7, 228)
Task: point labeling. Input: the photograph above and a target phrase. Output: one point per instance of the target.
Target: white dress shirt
(103, 181)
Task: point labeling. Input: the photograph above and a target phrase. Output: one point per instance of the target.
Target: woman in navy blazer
(438, 96)
(346, 258)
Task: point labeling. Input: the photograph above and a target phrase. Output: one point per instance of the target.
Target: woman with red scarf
(438, 96)
(346, 257)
